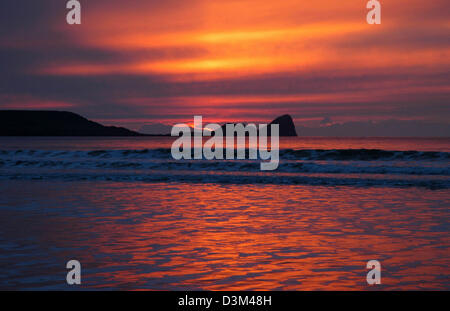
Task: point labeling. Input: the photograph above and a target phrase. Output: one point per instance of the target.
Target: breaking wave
(366, 167)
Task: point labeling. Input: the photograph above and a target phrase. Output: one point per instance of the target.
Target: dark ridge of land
(285, 122)
(65, 123)
(54, 123)
(287, 127)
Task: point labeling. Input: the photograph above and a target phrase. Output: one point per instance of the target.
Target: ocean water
(137, 219)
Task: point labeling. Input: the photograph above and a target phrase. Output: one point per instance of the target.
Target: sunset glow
(237, 60)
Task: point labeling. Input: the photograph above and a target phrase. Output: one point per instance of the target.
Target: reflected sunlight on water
(222, 237)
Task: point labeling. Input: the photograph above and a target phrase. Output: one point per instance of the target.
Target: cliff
(286, 126)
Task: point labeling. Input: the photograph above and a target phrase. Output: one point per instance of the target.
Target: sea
(136, 219)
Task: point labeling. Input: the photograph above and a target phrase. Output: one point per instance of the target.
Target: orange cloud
(210, 56)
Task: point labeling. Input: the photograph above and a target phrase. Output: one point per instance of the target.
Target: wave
(231, 166)
(364, 155)
(303, 154)
(204, 177)
(359, 167)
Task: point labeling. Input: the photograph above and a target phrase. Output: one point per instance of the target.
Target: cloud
(387, 128)
(326, 121)
(155, 128)
(164, 61)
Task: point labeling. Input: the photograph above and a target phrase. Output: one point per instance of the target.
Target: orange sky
(239, 60)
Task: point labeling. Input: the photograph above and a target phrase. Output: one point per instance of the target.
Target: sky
(136, 63)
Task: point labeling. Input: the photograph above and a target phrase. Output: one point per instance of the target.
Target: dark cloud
(387, 128)
(29, 41)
